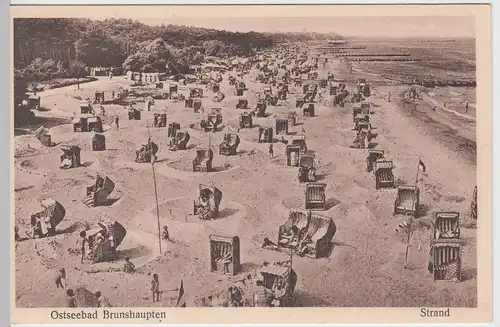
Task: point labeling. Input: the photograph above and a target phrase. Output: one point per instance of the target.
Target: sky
(397, 27)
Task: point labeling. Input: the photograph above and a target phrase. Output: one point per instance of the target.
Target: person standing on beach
(466, 106)
(117, 120)
(389, 97)
(271, 151)
(165, 235)
(17, 238)
(83, 236)
(61, 276)
(155, 287)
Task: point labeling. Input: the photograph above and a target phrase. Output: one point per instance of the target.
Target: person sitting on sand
(70, 299)
(235, 297)
(279, 290)
(226, 261)
(269, 245)
(102, 302)
(128, 267)
(302, 247)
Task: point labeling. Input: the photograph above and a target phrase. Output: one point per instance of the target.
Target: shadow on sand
(136, 252)
(87, 163)
(321, 177)
(227, 212)
(25, 188)
(23, 128)
(71, 229)
(248, 267)
(330, 203)
(111, 201)
(219, 169)
(469, 274)
(305, 299)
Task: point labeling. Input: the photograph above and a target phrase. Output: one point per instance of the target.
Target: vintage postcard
(251, 164)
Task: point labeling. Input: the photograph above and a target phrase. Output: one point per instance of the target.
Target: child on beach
(61, 276)
(155, 287)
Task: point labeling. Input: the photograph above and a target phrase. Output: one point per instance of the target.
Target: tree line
(62, 47)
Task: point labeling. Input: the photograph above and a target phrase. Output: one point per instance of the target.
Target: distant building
(105, 71)
(99, 71)
(146, 77)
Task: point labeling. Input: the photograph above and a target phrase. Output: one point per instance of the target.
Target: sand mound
(177, 213)
(454, 199)
(49, 248)
(74, 227)
(235, 125)
(182, 210)
(68, 129)
(255, 139)
(187, 165)
(326, 169)
(197, 127)
(34, 167)
(24, 149)
(85, 298)
(62, 129)
(298, 202)
(359, 214)
(282, 163)
(29, 164)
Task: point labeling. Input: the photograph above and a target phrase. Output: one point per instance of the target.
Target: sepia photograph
(227, 161)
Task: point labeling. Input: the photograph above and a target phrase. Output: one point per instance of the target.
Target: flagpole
(156, 192)
(408, 244)
(410, 222)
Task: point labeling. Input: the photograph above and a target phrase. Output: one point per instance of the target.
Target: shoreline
(443, 133)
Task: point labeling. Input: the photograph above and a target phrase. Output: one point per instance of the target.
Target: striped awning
(384, 165)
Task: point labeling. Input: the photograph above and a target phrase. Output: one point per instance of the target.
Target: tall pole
(156, 193)
(411, 220)
(408, 244)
